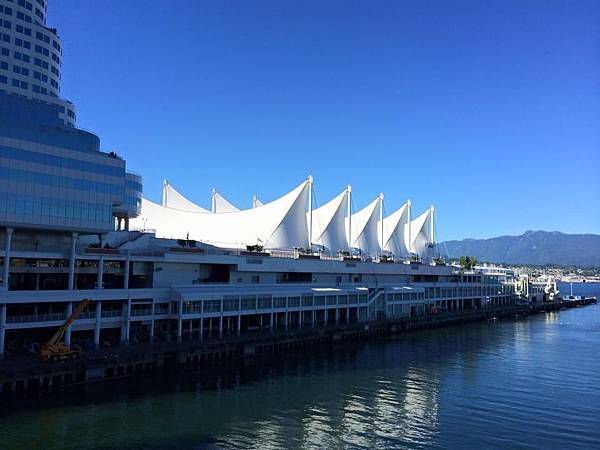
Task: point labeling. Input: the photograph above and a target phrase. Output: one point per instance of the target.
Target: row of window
(60, 161)
(28, 32)
(60, 181)
(6, 10)
(25, 4)
(51, 207)
(36, 61)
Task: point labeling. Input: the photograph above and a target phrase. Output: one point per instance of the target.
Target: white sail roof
(420, 233)
(256, 202)
(278, 224)
(173, 199)
(394, 229)
(329, 224)
(220, 204)
(363, 231)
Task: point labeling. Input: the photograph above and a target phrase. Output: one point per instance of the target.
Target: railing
(141, 312)
(36, 318)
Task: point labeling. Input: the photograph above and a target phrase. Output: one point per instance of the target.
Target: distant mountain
(532, 247)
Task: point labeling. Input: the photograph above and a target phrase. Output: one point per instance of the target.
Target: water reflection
(502, 385)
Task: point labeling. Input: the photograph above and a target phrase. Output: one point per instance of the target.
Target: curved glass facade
(51, 174)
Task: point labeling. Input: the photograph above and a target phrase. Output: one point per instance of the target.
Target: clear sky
(489, 110)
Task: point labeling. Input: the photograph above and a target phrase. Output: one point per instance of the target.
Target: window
(5, 37)
(4, 52)
(255, 279)
(6, 10)
(24, 17)
(21, 70)
(21, 56)
(3, 79)
(6, 24)
(3, 65)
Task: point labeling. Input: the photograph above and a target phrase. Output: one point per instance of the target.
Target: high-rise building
(52, 174)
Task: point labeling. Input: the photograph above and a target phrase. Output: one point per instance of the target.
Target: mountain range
(532, 247)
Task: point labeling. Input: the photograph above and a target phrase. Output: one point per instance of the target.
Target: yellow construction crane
(55, 349)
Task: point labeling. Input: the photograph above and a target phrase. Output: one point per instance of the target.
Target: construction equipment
(55, 349)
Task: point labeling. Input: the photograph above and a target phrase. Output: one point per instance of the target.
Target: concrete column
(239, 324)
(152, 322)
(68, 330)
(190, 328)
(100, 272)
(126, 272)
(201, 329)
(128, 321)
(337, 315)
(124, 322)
(179, 320)
(74, 237)
(7, 249)
(300, 319)
(313, 319)
(126, 223)
(2, 329)
(271, 322)
(97, 326)
(348, 315)
(221, 326)
(286, 323)
(326, 314)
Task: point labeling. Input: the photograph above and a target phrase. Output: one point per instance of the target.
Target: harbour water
(530, 383)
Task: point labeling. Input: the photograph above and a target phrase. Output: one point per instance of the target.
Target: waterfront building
(74, 225)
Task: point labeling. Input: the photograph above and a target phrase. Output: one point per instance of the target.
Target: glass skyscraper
(52, 174)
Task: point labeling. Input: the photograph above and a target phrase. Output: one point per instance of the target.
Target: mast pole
(350, 219)
(310, 209)
(164, 192)
(409, 229)
(381, 218)
(213, 202)
(432, 225)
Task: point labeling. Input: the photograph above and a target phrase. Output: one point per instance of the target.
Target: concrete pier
(29, 374)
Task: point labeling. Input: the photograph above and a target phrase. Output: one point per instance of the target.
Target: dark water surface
(531, 383)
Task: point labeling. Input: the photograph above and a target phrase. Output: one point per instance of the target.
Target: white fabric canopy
(278, 224)
(394, 229)
(364, 233)
(420, 234)
(329, 224)
(220, 204)
(173, 199)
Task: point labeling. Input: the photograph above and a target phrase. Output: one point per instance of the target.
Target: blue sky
(489, 110)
